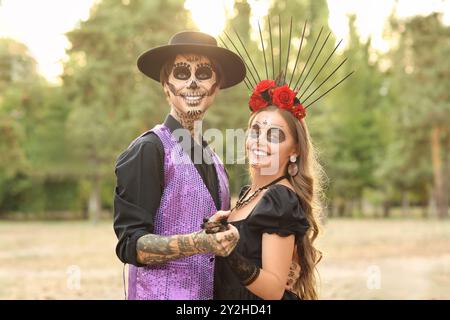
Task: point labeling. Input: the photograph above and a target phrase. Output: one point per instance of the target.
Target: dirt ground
(363, 259)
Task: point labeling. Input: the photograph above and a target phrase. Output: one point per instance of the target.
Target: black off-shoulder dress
(278, 211)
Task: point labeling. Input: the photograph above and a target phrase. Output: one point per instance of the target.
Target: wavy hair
(308, 184)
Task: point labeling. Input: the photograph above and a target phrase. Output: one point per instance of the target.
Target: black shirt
(140, 180)
(278, 211)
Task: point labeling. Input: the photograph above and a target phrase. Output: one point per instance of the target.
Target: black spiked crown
(276, 90)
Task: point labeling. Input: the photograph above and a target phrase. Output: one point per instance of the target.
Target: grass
(363, 259)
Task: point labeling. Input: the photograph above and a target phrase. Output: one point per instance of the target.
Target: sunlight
(41, 25)
(210, 16)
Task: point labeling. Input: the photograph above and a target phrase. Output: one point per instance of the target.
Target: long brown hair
(308, 186)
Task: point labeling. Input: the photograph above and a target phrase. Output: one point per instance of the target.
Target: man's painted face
(192, 84)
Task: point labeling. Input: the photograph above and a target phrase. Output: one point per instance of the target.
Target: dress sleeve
(279, 211)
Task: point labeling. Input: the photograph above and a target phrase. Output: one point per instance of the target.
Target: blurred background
(71, 100)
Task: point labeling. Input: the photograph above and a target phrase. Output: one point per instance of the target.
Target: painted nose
(193, 85)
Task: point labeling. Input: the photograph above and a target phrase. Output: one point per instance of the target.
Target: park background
(71, 99)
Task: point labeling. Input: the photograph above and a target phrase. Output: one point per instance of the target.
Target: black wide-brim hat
(231, 65)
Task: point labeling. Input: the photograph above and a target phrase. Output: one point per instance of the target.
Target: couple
(172, 214)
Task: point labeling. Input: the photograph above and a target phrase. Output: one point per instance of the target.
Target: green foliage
(58, 144)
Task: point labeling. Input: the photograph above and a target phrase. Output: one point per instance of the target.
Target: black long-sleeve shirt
(140, 180)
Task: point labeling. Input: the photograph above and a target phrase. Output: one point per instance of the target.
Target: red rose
(257, 102)
(264, 85)
(283, 97)
(298, 111)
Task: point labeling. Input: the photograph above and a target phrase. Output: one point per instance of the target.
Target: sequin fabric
(184, 204)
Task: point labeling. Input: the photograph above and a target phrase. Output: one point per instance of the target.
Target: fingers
(219, 215)
(214, 227)
(216, 223)
(294, 274)
(229, 240)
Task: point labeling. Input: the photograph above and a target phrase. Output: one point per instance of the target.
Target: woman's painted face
(269, 142)
(192, 84)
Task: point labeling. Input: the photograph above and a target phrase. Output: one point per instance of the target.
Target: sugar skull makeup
(272, 134)
(192, 84)
(269, 142)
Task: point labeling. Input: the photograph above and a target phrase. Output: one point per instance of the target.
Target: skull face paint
(192, 85)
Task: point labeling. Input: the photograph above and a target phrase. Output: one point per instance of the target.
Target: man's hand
(219, 243)
(217, 222)
(218, 238)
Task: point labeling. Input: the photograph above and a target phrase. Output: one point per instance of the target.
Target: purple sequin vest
(185, 202)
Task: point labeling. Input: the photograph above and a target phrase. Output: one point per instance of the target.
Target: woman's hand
(293, 275)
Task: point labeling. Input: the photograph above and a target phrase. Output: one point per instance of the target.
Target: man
(168, 185)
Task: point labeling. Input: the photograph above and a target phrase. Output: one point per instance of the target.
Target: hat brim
(231, 65)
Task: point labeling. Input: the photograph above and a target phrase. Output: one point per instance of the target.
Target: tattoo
(210, 243)
(156, 249)
(188, 119)
(215, 226)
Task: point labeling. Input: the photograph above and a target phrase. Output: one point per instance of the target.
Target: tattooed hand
(217, 223)
(220, 243)
(218, 237)
(156, 249)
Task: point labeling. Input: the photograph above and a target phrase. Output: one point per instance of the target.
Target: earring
(292, 167)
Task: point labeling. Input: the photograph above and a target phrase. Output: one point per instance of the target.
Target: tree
(110, 101)
(421, 76)
(348, 129)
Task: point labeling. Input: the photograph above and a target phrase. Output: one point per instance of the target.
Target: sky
(41, 24)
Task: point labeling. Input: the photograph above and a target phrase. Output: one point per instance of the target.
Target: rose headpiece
(276, 91)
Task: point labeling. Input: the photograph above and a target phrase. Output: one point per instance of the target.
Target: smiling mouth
(259, 153)
(192, 99)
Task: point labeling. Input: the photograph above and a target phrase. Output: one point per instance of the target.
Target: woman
(276, 213)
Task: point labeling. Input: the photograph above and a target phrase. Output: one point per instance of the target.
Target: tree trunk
(331, 208)
(438, 173)
(386, 209)
(446, 174)
(94, 204)
(424, 210)
(360, 206)
(405, 204)
(349, 208)
(341, 208)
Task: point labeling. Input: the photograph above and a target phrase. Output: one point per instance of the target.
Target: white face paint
(192, 85)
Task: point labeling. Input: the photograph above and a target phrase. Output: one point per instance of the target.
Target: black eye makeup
(273, 135)
(203, 72)
(181, 71)
(254, 132)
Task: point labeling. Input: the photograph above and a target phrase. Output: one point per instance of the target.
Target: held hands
(217, 223)
(217, 237)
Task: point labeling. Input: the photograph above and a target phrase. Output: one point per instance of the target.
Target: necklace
(241, 202)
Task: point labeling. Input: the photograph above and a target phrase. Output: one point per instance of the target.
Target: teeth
(192, 95)
(193, 99)
(260, 153)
